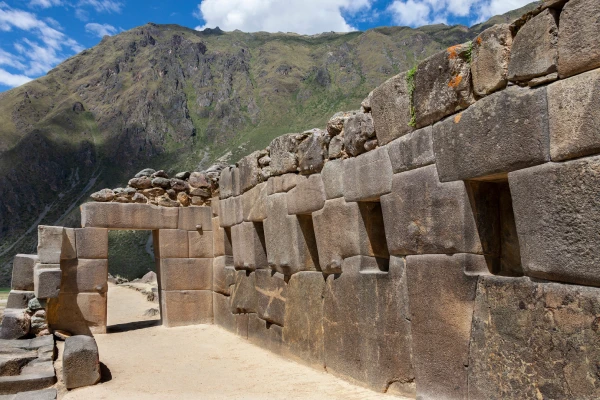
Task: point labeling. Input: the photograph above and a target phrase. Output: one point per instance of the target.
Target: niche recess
(372, 217)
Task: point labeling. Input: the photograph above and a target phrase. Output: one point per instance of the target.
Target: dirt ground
(198, 362)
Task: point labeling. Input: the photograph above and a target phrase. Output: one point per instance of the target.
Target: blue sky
(36, 35)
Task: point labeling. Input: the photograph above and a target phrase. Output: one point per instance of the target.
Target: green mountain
(173, 98)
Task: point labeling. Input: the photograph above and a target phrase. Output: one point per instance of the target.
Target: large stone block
(222, 313)
(303, 322)
(307, 196)
(535, 48)
(231, 211)
(412, 151)
(221, 239)
(241, 325)
(557, 216)
(50, 243)
(441, 297)
(15, 324)
(290, 240)
(312, 152)
(92, 243)
(79, 314)
(249, 248)
(69, 247)
(214, 206)
(243, 293)
(513, 122)
(249, 171)
(254, 203)
(22, 272)
(442, 85)
(368, 177)
(265, 335)
(186, 307)
(283, 154)
(281, 184)
(578, 47)
(223, 275)
(549, 328)
(225, 183)
(366, 325)
(333, 179)
(491, 55)
(574, 111)
(424, 216)
(344, 230)
(190, 218)
(172, 243)
(128, 216)
(79, 276)
(46, 280)
(201, 244)
(358, 129)
(19, 299)
(80, 362)
(186, 273)
(390, 108)
(271, 291)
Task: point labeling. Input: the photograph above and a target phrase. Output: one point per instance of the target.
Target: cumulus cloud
(422, 12)
(100, 30)
(12, 80)
(301, 16)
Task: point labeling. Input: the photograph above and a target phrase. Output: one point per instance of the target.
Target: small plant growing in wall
(410, 82)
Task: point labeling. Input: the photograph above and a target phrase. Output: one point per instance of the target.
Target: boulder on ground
(81, 362)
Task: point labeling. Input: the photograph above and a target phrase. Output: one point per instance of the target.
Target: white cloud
(12, 80)
(422, 12)
(45, 3)
(301, 16)
(108, 6)
(100, 30)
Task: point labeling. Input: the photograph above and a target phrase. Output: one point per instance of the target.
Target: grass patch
(410, 82)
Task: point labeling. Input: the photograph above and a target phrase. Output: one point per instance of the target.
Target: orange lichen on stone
(479, 40)
(455, 81)
(453, 52)
(457, 118)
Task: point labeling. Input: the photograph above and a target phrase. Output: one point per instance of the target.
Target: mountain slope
(170, 97)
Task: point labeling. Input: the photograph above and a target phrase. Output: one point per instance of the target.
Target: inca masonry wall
(442, 242)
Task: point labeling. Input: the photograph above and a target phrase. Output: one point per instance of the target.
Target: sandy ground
(198, 362)
(3, 301)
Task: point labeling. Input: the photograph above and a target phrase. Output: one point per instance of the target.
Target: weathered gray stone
(50, 243)
(225, 184)
(366, 325)
(307, 196)
(190, 218)
(491, 55)
(535, 48)
(556, 212)
(390, 107)
(281, 184)
(22, 272)
(29, 382)
(79, 314)
(92, 243)
(368, 177)
(223, 275)
(128, 216)
(290, 240)
(271, 290)
(574, 111)
(424, 216)
(201, 244)
(578, 47)
(186, 307)
(172, 243)
(15, 324)
(231, 211)
(312, 152)
(441, 299)
(140, 183)
(43, 394)
(186, 273)
(249, 247)
(69, 249)
(442, 85)
(335, 125)
(412, 151)
(542, 80)
(221, 239)
(243, 293)
(79, 276)
(249, 171)
(283, 154)
(336, 147)
(513, 122)
(19, 299)
(46, 280)
(333, 179)
(199, 180)
(344, 230)
(254, 203)
(222, 313)
(358, 129)
(236, 182)
(265, 335)
(81, 362)
(103, 195)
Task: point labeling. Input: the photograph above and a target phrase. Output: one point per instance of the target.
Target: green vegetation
(410, 82)
(127, 255)
(469, 54)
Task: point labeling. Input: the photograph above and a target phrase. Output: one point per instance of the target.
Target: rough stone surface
(491, 55)
(103, 195)
(271, 292)
(513, 122)
(574, 111)
(442, 85)
(243, 293)
(201, 244)
(81, 362)
(312, 152)
(441, 300)
(265, 335)
(223, 275)
(69, 249)
(333, 179)
(550, 328)
(231, 211)
(221, 240)
(578, 47)
(192, 217)
(535, 48)
(557, 216)
(225, 184)
(283, 154)
(15, 324)
(186, 307)
(222, 313)
(358, 129)
(424, 216)
(412, 151)
(366, 325)
(22, 273)
(390, 107)
(46, 280)
(336, 146)
(91, 243)
(254, 203)
(128, 216)
(79, 314)
(82, 275)
(186, 273)
(249, 171)
(19, 299)
(249, 247)
(307, 196)
(172, 243)
(368, 177)
(50, 243)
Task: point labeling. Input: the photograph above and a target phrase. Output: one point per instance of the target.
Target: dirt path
(199, 362)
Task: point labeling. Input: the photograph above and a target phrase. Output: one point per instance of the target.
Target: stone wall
(441, 242)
